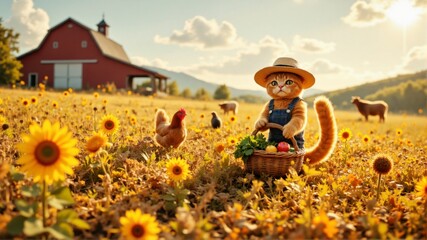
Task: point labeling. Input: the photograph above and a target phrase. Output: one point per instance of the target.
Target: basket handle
(280, 127)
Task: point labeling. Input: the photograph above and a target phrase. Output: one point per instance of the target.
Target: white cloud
(415, 59)
(311, 45)
(365, 14)
(31, 23)
(247, 61)
(203, 34)
(141, 61)
(324, 66)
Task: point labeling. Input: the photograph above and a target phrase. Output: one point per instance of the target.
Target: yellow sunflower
(136, 225)
(322, 222)
(366, 139)
(232, 141)
(34, 100)
(399, 131)
(233, 119)
(109, 124)
(345, 134)
(421, 188)
(48, 152)
(54, 104)
(219, 147)
(25, 102)
(177, 169)
(96, 142)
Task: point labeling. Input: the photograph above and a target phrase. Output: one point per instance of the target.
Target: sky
(342, 43)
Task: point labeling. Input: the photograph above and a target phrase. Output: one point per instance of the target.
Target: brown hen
(170, 134)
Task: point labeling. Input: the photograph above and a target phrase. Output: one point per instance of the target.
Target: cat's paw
(261, 124)
(289, 131)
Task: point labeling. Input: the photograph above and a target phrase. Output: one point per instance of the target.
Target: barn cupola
(103, 27)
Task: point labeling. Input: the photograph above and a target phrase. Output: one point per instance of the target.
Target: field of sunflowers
(85, 166)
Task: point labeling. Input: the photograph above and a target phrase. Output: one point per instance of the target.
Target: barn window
(70, 25)
(84, 44)
(55, 44)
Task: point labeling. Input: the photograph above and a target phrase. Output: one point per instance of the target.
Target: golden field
(336, 199)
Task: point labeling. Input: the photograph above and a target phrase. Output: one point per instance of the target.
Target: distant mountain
(187, 81)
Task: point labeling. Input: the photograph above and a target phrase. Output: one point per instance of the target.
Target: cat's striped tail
(328, 132)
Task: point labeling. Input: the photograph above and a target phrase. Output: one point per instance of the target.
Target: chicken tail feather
(161, 117)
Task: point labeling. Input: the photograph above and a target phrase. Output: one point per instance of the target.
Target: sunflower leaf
(17, 176)
(79, 223)
(26, 209)
(63, 195)
(66, 215)
(16, 225)
(61, 231)
(31, 191)
(33, 227)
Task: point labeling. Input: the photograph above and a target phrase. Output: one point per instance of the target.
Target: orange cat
(285, 83)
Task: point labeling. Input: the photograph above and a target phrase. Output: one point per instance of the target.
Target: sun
(403, 13)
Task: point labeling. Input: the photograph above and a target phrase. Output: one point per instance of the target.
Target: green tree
(173, 89)
(9, 65)
(202, 94)
(222, 92)
(186, 93)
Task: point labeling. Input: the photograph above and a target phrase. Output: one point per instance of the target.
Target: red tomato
(283, 147)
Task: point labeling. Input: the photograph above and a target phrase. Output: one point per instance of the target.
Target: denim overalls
(282, 117)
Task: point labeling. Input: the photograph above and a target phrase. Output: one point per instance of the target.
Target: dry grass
(336, 199)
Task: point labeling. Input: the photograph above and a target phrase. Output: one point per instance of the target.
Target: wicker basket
(276, 164)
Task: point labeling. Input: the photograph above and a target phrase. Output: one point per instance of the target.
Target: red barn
(72, 55)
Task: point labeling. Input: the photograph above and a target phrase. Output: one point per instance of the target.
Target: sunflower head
(382, 164)
(96, 142)
(25, 102)
(421, 188)
(136, 225)
(345, 134)
(366, 139)
(109, 124)
(34, 100)
(48, 152)
(232, 141)
(219, 147)
(177, 169)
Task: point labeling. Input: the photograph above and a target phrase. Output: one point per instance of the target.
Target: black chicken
(215, 121)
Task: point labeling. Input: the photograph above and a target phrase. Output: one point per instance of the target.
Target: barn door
(68, 76)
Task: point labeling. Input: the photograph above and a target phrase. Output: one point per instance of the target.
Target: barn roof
(107, 46)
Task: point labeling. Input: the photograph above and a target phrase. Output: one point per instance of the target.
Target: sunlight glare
(403, 13)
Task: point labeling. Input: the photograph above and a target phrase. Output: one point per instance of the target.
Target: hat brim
(261, 76)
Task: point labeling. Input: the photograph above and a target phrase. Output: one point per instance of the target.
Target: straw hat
(284, 64)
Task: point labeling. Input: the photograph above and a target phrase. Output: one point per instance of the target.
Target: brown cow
(231, 106)
(367, 108)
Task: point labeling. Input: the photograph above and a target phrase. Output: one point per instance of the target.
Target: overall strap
(293, 103)
(271, 105)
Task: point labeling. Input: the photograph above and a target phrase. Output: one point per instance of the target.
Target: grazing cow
(229, 106)
(367, 108)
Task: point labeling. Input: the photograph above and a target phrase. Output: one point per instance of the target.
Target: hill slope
(403, 93)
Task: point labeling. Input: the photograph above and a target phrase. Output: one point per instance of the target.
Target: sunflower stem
(44, 203)
(378, 188)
